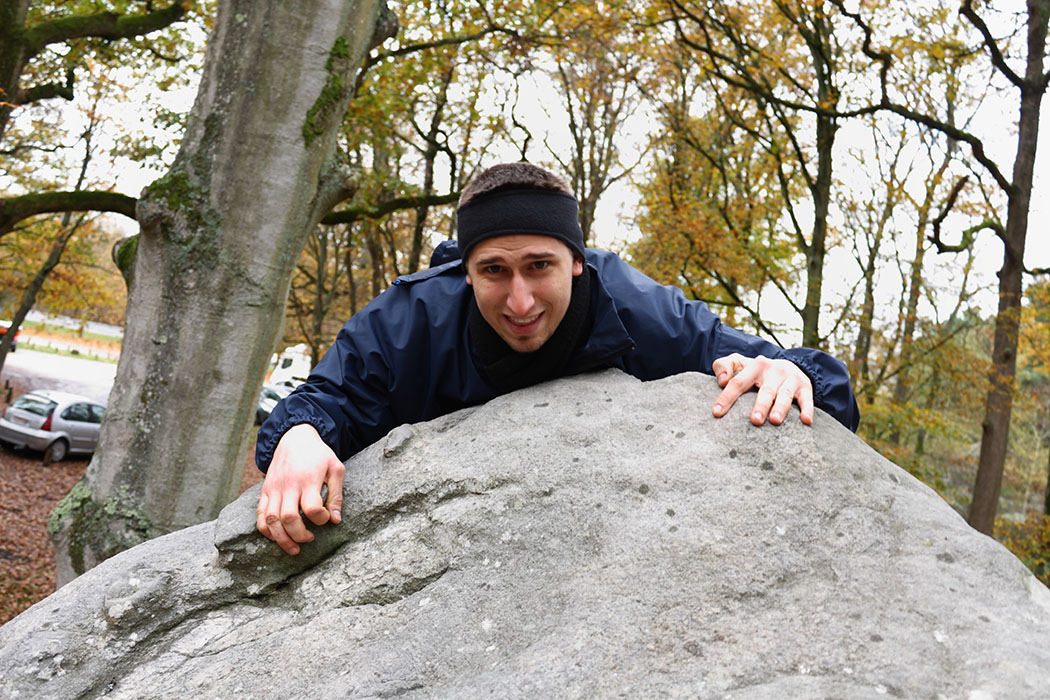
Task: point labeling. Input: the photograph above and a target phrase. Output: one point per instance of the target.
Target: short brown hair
(512, 176)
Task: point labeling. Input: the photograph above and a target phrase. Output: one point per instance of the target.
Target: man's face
(522, 284)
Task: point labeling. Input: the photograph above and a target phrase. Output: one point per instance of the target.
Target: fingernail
(718, 408)
(336, 516)
(293, 550)
(756, 415)
(721, 377)
(774, 416)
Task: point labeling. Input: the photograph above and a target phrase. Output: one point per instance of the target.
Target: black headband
(529, 211)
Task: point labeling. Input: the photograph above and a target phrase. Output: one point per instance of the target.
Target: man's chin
(526, 349)
(524, 345)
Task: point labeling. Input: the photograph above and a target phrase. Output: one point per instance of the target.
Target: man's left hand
(779, 382)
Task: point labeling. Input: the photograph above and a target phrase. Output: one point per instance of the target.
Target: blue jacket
(407, 357)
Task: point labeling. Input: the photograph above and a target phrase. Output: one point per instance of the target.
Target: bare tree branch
(967, 235)
(104, 25)
(347, 216)
(16, 209)
(47, 91)
(998, 60)
(885, 60)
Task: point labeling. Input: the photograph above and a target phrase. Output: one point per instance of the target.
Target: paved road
(42, 370)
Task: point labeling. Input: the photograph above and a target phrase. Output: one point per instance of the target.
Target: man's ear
(577, 267)
(469, 281)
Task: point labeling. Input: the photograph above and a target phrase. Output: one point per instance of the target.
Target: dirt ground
(29, 491)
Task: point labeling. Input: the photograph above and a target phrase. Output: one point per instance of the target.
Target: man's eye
(541, 265)
(493, 269)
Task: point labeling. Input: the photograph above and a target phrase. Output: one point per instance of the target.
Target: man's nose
(519, 300)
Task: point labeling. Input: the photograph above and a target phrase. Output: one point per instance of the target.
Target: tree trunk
(37, 283)
(902, 388)
(348, 264)
(12, 56)
(862, 352)
(817, 249)
(375, 257)
(320, 310)
(221, 233)
(995, 429)
(430, 153)
(995, 434)
(822, 51)
(1046, 493)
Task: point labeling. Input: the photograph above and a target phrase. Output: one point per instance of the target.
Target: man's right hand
(301, 464)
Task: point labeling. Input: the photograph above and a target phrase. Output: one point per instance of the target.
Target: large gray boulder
(591, 537)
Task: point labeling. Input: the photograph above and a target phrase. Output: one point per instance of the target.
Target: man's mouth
(523, 324)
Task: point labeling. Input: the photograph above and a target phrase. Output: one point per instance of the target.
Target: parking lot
(42, 370)
(30, 489)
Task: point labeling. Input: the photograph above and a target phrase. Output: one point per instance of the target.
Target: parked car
(4, 325)
(269, 397)
(53, 421)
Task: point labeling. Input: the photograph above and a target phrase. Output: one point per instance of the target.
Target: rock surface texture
(589, 538)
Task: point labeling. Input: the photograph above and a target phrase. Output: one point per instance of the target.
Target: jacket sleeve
(674, 334)
(346, 397)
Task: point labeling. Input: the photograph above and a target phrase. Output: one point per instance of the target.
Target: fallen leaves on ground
(29, 491)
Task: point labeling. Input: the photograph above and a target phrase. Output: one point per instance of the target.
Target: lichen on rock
(94, 531)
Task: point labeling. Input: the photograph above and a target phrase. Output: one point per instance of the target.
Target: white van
(291, 367)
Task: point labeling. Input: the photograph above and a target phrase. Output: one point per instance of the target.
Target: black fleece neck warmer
(510, 370)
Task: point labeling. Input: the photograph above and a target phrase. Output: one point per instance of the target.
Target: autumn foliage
(1030, 541)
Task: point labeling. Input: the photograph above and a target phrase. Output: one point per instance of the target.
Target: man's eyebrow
(499, 260)
(540, 256)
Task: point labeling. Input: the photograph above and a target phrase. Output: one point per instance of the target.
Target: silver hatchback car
(53, 420)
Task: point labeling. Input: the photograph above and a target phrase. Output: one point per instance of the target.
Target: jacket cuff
(264, 452)
(816, 377)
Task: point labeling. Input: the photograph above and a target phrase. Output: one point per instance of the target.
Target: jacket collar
(609, 338)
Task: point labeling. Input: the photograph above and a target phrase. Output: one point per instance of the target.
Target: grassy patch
(84, 355)
(56, 330)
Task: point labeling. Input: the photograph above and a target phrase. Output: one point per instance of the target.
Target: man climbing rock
(515, 301)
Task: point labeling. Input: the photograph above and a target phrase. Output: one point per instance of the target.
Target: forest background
(848, 176)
